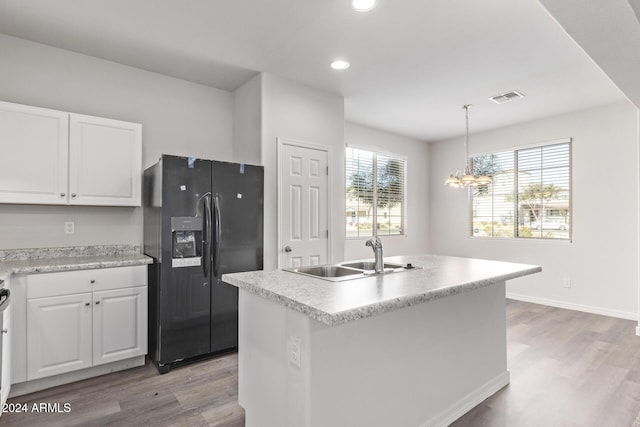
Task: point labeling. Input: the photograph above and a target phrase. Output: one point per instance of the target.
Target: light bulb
(340, 64)
(363, 5)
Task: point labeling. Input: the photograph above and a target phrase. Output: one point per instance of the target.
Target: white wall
(417, 153)
(247, 122)
(602, 259)
(294, 111)
(178, 117)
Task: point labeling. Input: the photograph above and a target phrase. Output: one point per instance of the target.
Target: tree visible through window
(530, 196)
(375, 194)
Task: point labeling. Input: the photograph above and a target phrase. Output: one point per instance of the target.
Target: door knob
(287, 249)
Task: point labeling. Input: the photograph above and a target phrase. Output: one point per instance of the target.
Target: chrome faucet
(376, 244)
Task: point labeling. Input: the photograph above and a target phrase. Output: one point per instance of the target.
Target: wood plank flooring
(201, 394)
(568, 369)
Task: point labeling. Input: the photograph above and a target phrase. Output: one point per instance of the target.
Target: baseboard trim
(576, 307)
(27, 387)
(468, 402)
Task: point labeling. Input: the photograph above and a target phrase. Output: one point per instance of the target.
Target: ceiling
(414, 63)
(609, 31)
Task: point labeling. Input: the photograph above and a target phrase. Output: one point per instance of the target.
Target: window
(374, 206)
(530, 196)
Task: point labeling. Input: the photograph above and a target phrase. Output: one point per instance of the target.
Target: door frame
(281, 142)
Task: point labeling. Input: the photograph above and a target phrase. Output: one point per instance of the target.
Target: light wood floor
(568, 369)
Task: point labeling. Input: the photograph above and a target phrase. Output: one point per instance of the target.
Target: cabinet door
(58, 335)
(34, 147)
(5, 385)
(119, 324)
(105, 161)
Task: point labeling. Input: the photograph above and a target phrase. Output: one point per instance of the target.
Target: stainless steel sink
(348, 270)
(370, 265)
(335, 273)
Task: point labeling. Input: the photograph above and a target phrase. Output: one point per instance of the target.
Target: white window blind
(375, 194)
(530, 196)
(493, 208)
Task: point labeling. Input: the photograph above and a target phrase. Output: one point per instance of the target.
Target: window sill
(523, 239)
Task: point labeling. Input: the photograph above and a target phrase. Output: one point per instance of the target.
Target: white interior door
(304, 205)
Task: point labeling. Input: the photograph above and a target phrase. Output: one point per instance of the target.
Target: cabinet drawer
(74, 282)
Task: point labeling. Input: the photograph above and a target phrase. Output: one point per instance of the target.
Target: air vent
(506, 97)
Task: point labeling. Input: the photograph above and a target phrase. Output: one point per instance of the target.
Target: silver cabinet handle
(92, 282)
(97, 302)
(87, 303)
(62, 194)
(73, 194)
(5, 331)
(287, 249)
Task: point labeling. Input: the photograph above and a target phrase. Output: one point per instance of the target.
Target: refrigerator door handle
(206, 252)
(218, 219)
(5, 297)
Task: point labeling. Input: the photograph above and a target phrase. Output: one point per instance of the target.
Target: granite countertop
(49, 260)
(334, 303)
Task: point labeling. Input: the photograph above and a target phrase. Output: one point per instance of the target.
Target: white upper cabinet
(54, 157)
(105, 163)
(34, 147)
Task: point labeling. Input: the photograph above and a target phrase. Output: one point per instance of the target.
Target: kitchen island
(417, 347)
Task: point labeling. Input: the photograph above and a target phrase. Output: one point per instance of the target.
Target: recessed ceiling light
(340, 64)
(363, 5)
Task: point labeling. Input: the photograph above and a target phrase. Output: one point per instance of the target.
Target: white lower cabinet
(119, 324)
(7, 333)
(58, 335)
(68, 331)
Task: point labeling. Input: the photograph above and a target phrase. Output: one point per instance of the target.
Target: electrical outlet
(69, 227)
(294, 351)
(566, 283)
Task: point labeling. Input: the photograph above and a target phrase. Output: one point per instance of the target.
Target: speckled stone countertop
(334, 303)
(49, 260)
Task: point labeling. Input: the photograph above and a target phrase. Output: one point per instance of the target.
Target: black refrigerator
(202, 219)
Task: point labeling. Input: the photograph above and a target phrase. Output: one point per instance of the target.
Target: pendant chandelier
(467, 178)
